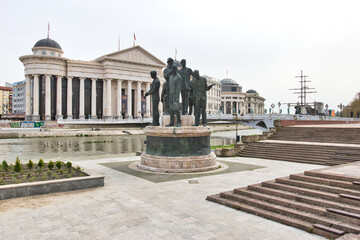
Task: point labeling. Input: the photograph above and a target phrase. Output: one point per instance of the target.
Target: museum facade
(111, 86)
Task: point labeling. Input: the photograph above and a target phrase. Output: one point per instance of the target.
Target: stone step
(303, 198)
(272, 216)
(304, 207)
(305, 226)
(344, 213)
(287, 159)
(314, 186)
(288, 154)
(346, 158)
(301, 215)
(329, 229)
(329, 182)
(348, 196)
(330, 176)
(310, 192)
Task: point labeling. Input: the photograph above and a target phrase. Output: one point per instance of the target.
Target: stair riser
(323, 188)
(297, 206)
(315, 202)
(304, 227)
(330, 176)
(312, 194)
(290, 213)
(334, 183)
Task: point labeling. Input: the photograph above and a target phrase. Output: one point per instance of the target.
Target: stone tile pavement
(128, 207)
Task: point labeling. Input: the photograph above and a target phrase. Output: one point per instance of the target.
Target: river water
(85, 148)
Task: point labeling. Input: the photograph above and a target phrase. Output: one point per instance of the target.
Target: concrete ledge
(53, 186)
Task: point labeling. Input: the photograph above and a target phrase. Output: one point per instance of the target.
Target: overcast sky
(262, 44)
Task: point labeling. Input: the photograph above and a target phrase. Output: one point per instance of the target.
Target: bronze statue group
(193, 94)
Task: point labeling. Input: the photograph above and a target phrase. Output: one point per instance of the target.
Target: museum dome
(228, 81)
(251, 91)
(47, 42)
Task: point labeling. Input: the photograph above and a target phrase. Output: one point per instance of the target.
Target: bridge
(262, 122)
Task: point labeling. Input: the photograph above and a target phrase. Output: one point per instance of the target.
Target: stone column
(36, 116)
(108, 99)
(81, 100)
(147, 114)
(69, 98)
(47, 98)
(59, 98)
(104, 99)
(28, 98)
(93, 98)
(138, 100)
(119, 100)
(129, 101)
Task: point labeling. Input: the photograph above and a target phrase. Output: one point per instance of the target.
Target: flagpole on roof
(119, 43)
(48, 32)
(134, 40)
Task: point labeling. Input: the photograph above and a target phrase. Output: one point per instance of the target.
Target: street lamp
(272, 107)
(326, 107)
(237, 138)
(279, 104)
(288, 108)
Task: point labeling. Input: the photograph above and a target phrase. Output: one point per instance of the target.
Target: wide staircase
(318, 134)
(302, 153)
(319, 203)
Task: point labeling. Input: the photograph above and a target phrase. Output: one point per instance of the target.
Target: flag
(134, 37)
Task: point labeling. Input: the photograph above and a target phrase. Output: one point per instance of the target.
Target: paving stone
(128, 207)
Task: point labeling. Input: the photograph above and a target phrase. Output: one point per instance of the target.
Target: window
(43, 53)
(52, 54)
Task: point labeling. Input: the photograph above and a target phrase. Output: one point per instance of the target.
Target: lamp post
(237, 138)
(279, 104)
(288, 108)
(326, 107)
(272, 107)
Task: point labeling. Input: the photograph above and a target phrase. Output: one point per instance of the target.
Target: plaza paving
(128, 207)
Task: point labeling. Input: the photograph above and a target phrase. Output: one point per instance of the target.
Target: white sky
(263, 44)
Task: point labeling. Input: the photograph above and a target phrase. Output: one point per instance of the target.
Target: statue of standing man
(154, 91)
(199, 86)
(166, 88)
(185, 74)
(174, 95)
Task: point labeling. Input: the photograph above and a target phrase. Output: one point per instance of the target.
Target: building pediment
(134, 54)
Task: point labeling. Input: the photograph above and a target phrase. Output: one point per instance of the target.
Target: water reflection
(83, 148)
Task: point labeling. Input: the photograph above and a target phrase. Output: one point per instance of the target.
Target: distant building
(18, 97)
(213, 95)
(233, 100)
(111, 86)
(5, 100)
(255, 103)
(232, 97)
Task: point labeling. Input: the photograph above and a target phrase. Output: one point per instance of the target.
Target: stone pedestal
(186, 120)
(178, 150)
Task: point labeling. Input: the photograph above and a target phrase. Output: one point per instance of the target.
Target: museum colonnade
(52, 97)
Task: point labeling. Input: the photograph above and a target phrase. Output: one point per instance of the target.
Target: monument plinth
(178, 150)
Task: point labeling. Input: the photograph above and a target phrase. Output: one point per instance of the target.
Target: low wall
(53, 186)
(284, 123)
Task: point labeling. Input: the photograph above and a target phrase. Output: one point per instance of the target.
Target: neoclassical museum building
(111, 86)
(233, 100)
